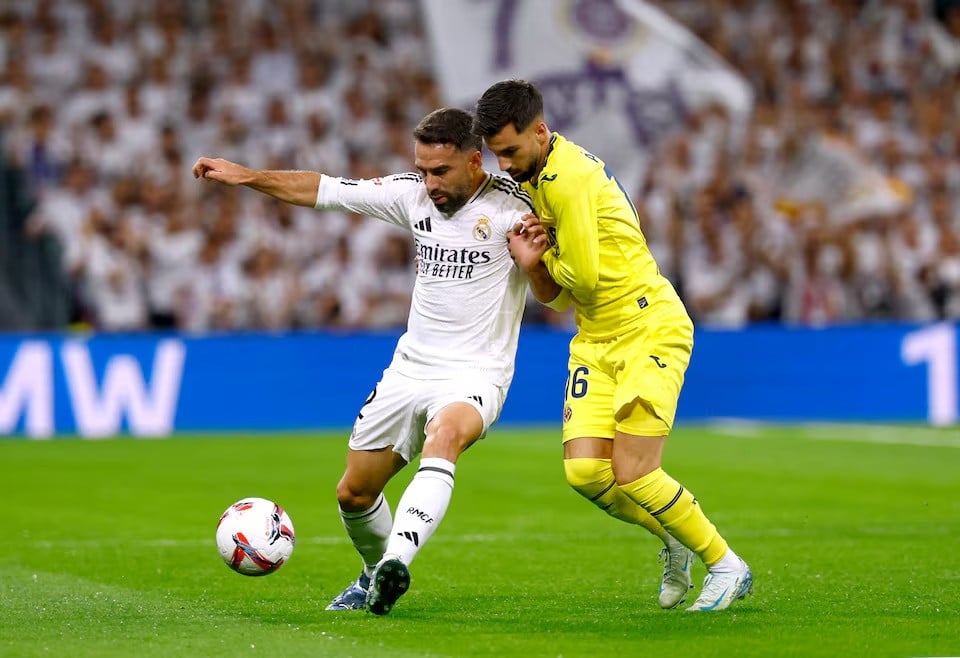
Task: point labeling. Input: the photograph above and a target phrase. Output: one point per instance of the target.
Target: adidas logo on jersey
(423, 225)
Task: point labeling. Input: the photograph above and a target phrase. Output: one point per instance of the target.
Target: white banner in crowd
(616, 75)
(828, 172)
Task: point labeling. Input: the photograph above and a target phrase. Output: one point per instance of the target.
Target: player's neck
(544, 154)
(479, 180)
(542, 159)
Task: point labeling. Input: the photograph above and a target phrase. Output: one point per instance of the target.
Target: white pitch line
(931, 437)
(183, 543)
(881, 531)
(885, 434)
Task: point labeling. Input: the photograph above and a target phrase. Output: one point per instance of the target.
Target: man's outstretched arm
(296, 187)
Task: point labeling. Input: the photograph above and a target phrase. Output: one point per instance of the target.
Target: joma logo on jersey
(423, 516)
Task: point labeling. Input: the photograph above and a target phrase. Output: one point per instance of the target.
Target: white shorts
(397, 411)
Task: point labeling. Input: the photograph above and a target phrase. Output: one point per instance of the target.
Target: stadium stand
(839, 202)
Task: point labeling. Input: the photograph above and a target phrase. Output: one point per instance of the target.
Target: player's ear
(541, 131)
(475, 159)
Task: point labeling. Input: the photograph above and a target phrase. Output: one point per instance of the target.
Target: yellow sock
(593, 479)
(678, 512)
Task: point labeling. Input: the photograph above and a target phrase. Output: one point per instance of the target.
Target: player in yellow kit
(632, 346)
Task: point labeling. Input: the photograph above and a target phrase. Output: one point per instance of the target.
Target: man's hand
(527, 242)
(222, 171)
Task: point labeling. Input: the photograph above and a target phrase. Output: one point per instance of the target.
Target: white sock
(421, 508)
(369, 530)
(729, 563)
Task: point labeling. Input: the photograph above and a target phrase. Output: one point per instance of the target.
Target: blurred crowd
(838, 200)
(108, 104)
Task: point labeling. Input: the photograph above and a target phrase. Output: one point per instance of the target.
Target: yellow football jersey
(598, 251)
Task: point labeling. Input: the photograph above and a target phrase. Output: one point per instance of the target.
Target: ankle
(729, 563)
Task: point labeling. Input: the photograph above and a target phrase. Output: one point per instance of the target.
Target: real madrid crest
(482, 230)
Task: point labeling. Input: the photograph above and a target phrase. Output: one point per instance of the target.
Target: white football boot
(720, 590)
(676, 581)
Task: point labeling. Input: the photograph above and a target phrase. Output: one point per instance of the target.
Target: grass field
(852, 534)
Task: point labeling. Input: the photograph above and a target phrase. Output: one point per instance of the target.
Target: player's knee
(637, 458)
(354, 496)
(454, 429)
(446, 441)
(588, 476)
(625, 474)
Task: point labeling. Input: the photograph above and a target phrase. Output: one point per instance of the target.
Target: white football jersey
(469, 295)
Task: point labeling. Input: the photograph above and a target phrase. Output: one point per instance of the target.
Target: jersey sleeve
(384, 198)
(513, 209)
(561, 302)
(574, 262)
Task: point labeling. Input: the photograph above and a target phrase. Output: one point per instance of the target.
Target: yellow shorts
(629, 384)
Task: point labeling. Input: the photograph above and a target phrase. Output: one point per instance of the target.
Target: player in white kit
(451, 369)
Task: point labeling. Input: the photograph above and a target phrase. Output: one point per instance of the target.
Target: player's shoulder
(507, 193)
(569, 164)
(571, 159)
(404, 180)
(406, 188)
(395, 183)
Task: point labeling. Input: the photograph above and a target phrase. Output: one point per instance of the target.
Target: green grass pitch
(853, 534)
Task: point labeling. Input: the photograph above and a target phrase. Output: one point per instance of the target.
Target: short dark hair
(516, 102)
(448, 125)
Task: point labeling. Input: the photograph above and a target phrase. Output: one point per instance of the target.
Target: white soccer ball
(255, 536)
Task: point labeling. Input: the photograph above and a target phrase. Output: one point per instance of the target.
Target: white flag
(829, 173)
(616, 75)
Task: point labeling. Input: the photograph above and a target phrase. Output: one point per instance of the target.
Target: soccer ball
(255, 536)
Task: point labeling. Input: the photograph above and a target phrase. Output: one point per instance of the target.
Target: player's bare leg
(424, 502)
(366, 515)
